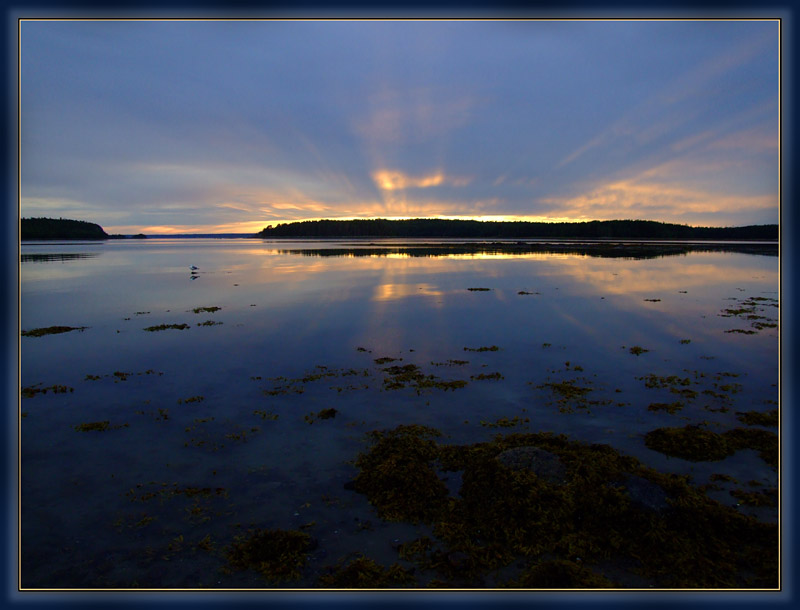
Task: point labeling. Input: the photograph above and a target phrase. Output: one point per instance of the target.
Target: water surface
(225, 404)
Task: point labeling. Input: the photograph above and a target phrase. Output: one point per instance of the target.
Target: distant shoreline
(46, 229)
(441, 228)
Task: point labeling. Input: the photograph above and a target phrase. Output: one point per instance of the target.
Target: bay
(216, 428)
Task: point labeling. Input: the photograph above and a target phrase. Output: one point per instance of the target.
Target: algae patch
(31, 391)
(756, 418)
(398, 377)
(278, 555)
(698, 444)
(486, 348)
(324, 414)
(51, 330)
(602, 508)
(160, 327)
(365, 573)
(560, 574)
(98, 426)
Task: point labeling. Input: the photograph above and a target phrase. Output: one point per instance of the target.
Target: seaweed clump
(669, 407)
(560, 574)
(278, 555)
(697, 444)
(756, 418)
(206, 309)
(32, 391)
(152, 329)
(364, 573)
(98, 426)
(547, 501)
(410, 374)
(398, 477)
(51, 330)
(324, 414)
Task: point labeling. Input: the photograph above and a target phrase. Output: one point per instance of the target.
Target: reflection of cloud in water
(651, 277)
(387, 292)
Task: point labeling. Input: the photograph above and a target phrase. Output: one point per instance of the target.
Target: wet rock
(542, 463)
(645, 494)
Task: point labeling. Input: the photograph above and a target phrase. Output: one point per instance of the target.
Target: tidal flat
(376, 414)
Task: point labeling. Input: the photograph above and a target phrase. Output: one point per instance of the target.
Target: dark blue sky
(221, 126)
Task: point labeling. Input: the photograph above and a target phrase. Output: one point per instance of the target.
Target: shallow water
(298, 332)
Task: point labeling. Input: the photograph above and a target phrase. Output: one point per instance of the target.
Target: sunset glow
(193, 127)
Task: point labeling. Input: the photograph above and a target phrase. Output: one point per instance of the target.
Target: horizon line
(168, 231)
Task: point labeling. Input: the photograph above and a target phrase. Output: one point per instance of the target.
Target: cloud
(415, 115)
(689, 98)
(647, 198)
(216, 123)
(393, 180)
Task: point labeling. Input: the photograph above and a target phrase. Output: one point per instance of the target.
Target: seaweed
(671, 408)
(206, 309)
(32, 391)
(560, 574)
(324, 414)
(637, 350)
(364, 573)
(747, 310)
(489, 348)
(485, 376)
(51, 330)
(765, 497)
(151, 329)
(450, 363)
(504, 422)
(689, 443)
(697, 444)
(756, 418)
(98, 426)
(570, 394)
(605, 509)
(198, 398)
(398, 476)
(410, 374)
(278, 555)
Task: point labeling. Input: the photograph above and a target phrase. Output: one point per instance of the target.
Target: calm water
(226, 405)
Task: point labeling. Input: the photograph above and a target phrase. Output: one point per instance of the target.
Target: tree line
(60, 228)
(434, 227)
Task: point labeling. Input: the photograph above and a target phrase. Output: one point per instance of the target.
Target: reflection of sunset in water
(388, 292)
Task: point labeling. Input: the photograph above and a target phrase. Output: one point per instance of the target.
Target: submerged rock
(645, 494)
(542, 463)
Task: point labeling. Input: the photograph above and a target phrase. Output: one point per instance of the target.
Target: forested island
(60, 228)
(63, 228)
(434, 227)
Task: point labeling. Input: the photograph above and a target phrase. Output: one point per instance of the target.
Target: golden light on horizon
(252, 227)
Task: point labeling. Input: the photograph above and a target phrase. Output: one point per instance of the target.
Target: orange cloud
(393, 180)
(632, 199)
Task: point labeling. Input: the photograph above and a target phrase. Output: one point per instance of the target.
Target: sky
(230, 126)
